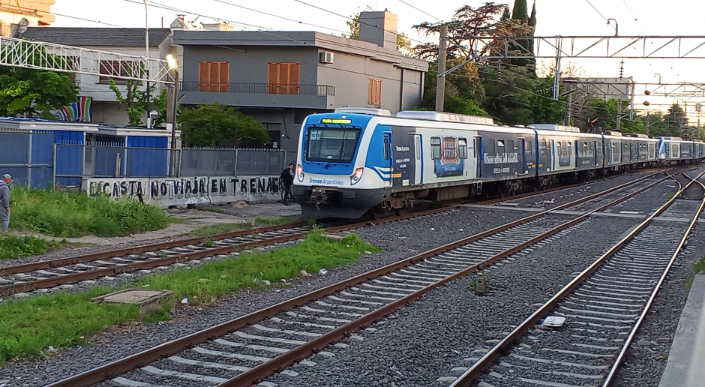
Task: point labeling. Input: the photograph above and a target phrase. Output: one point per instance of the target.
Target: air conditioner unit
(326, 57)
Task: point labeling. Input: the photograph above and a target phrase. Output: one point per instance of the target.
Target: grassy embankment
(69, 215)
(221, 228)
(29, 326)
(698, 267)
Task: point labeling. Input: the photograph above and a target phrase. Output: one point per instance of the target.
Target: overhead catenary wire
(420, 10)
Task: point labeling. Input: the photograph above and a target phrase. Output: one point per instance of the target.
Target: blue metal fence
(28, 155)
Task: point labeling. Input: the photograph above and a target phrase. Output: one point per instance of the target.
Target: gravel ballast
(428, 338)
(399, 239)
(647, 356)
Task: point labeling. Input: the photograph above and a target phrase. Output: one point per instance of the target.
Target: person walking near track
(5, 202)
(287, 177)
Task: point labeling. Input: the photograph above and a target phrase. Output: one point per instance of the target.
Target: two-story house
(280, 77)
(15, 14)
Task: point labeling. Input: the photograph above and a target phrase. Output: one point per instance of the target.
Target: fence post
(236, 162)
(29, 160)
(53, 174)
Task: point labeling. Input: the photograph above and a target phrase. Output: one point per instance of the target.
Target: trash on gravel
(184, 300)
(322, 271)
(553, 322)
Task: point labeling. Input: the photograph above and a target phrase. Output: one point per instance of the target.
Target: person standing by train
(5, 202)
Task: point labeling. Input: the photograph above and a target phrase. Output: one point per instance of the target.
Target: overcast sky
(555, 17)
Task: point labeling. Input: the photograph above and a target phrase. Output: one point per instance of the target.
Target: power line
(279, 17)
(596, 10)
(630, 10)
(351, 19)
(420, 10)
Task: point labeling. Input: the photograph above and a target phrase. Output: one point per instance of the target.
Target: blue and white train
(359, 161)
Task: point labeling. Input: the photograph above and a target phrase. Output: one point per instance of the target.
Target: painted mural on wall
(166, 192)
(450, 163)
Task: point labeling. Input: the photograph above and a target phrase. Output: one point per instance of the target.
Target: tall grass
(75, 214)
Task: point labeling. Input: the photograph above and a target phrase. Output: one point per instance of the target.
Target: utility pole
(648, 118)
(146, 48)
(557, 75)
(619, 114)
(441, 80)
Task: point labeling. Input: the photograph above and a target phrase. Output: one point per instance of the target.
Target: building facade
(15, 14)
(280, 77)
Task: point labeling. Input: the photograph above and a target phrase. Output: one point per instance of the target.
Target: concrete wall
(180, 192)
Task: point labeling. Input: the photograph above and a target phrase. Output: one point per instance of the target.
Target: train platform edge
(686, 359)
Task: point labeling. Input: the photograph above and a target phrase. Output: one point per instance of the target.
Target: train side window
(386, 147)
(543, 147)
(463, 148)
(489, 148)
(436, 148)
(510, 146)
(529, 148)
(500, 143)
(417, 146)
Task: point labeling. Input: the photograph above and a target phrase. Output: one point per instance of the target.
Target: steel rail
(190, 256)
(625, 348)
(145, 265)
(121, 366)
(495, 353)
(139, 249)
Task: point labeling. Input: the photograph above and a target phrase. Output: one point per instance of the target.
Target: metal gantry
(586, 47)
(56, 57)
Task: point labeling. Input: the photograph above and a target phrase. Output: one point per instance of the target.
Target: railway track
(68, 271)
(65, 273)
(250, 348)
(603, 308)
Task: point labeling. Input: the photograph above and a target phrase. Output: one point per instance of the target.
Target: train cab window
(436, 148)
(463, 148)
(386, 147)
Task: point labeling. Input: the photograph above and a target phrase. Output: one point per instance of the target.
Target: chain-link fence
(227, 162)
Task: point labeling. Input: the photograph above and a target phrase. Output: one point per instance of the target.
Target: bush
(76, 214)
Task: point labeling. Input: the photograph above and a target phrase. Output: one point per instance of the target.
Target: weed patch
(13, 247)
(205, 283)
(265, 221)
(75, 214)
(31, 325)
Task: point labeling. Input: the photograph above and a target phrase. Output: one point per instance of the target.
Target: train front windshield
(335, 145)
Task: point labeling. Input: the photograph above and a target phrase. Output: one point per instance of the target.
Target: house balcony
(304, 96)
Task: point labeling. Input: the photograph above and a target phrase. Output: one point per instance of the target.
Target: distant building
(24, 13)
(280, 77)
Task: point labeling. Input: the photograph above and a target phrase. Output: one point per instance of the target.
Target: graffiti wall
(180, 192)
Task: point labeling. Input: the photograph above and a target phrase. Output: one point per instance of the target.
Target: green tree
(676, 120)
(463, 93)
(403, 41)
(509, 92)
(520, 13)
(134, 101)
(161, 102)
(33, 92)
(506, 15)
(545, 109)
(206, 125)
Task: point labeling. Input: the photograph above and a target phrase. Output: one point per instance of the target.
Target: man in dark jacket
(287, 176)
(5, 202)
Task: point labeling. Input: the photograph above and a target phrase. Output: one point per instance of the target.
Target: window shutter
(204, 77)
(294, 78)
(273, 78)
(224, 77)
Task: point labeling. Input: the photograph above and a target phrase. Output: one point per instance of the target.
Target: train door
(388, 155)
(403, 160)
(478, 154)
(524, 167)
(594, 151)
(553, 155)
(418, 160)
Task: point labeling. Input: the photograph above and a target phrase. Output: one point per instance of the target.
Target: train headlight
(356, 176)
(300, 173)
